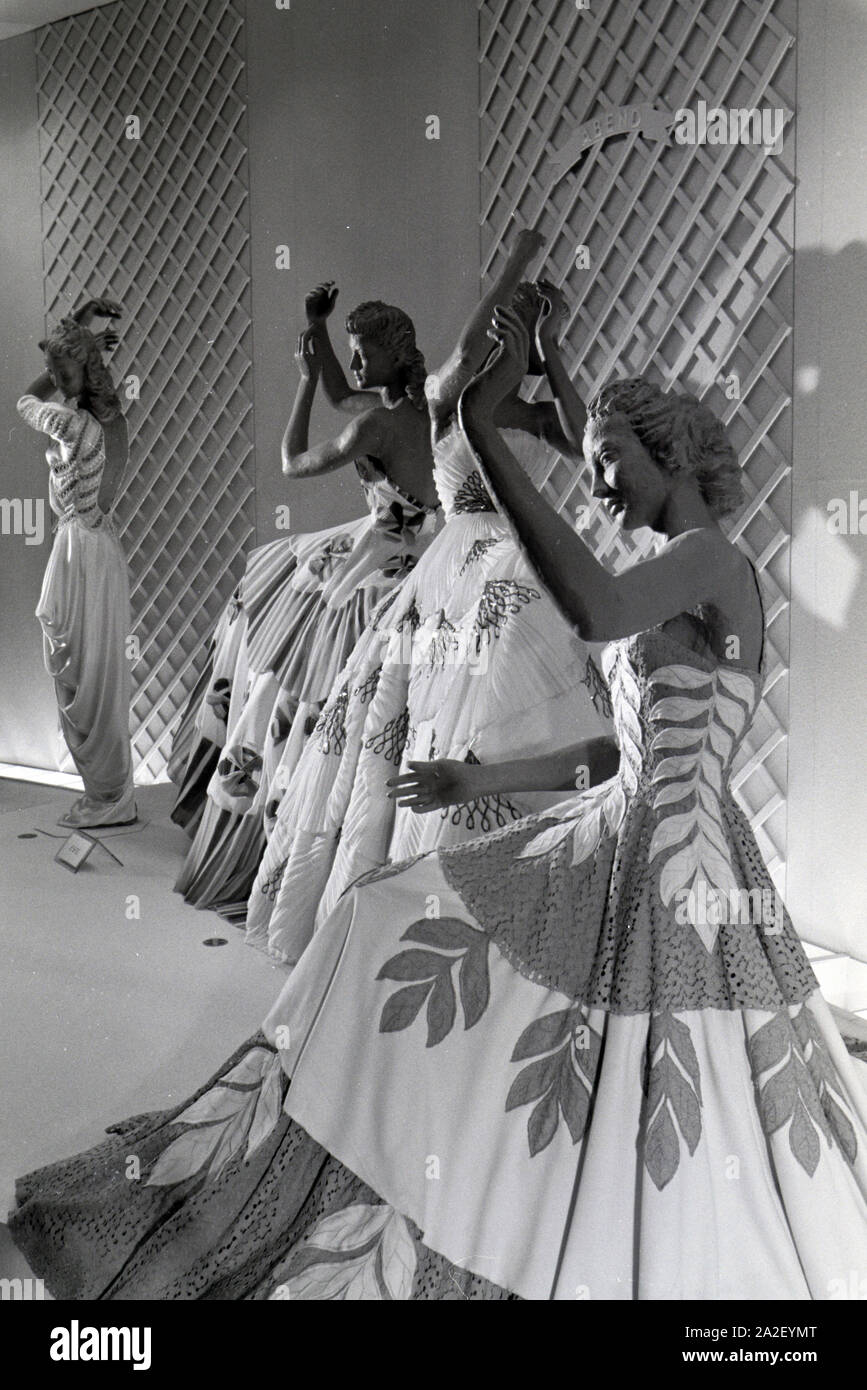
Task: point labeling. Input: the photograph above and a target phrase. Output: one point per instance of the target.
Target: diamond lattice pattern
(690, 254)
(157, 218)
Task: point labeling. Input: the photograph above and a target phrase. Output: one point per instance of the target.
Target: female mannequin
(84, 605)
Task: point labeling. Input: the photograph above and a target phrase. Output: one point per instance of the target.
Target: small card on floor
(75, 849)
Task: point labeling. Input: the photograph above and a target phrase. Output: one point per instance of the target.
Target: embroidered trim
(364, 1251)
(367, 689)
(477, 550)
(596, 684)
(391, 740)
(501, 598)
(473, 496)
(410, 618)
(696, 771)
(491, 812)
(231, 1119)
(386, 871)
(330, 729)
(270, 887)
(442, 642)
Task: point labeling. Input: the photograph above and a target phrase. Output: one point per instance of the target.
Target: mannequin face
(632, 486)
(371, 364)
(68, 376)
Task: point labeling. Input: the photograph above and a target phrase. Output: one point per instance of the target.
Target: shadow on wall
(830, 407)
(827, 747)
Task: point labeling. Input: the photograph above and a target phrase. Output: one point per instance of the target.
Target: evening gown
(469, 659)
(297, 613)
(530, 1065)
(84, 613)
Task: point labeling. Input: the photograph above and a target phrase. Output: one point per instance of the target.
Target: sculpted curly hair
(70, 339)
(679, 433)
(394, 331)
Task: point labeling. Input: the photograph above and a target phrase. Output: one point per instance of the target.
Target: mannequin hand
(319, 303)
(97, 308)
(528, 243)
(554, 311)
(306, 356)
(505, 369)
(433, 786)
(106, 339)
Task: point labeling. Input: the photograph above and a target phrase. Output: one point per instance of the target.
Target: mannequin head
(647, 445)
(384, 350)
(74, 362)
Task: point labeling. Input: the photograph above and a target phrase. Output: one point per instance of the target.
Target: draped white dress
(84, 612)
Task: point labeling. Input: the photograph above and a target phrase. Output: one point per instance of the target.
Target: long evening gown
(84, 612)
(298, 611)
(528, 1065)
(470, 659)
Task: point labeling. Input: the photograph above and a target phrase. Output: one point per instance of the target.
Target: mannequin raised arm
(42, 388)
(474, 343)
(45, 386)
(361, 436)
(698, 566)
(560, 422)
(318, 305)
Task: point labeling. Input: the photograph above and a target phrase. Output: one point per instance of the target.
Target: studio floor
(110, 1002)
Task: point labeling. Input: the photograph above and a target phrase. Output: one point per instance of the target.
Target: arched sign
(646, 118)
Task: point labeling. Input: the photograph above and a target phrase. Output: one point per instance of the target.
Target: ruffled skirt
(512, 1074)
(297, 614)
(468, 660)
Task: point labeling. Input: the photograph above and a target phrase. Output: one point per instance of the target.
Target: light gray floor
(105, 1013)
(16, 796)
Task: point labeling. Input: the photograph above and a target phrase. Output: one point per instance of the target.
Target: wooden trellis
(690, 251)
(156, 217)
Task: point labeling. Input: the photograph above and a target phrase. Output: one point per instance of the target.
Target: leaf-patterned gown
(301, 606)
(534, 1065)
(470, 659)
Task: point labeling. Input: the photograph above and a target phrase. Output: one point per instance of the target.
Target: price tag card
(74, 851)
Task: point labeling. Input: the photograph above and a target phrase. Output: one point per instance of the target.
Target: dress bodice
(392, 510)
(680, 716)
(458, 481)
(76, 458)
(456, 475)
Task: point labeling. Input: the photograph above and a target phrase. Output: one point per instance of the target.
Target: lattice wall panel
(690, 255)
(160, 223)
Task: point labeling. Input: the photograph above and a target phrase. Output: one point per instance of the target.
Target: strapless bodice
(391, 509)
(456, 475)
(680, 717)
